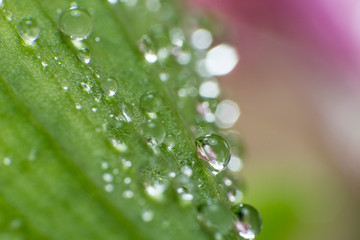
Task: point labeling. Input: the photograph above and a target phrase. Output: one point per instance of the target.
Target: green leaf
(75, 161)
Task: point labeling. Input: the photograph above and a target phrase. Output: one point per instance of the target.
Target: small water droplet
(104, 165)
(187, 171)
(147, 216)
(201, 39)
(170, 141)
(44, 64)
(248, 223)
(119, 145)
(126, 112)
(76, 23)
(150, 57)
(164, 77)
(109, 187)
(109, 85)
(127, 180)
(108, 177)
(209, 89)
(126, 163)
(97, 39)
(7, 161)
(29, 30)
(87, 84)
(150, 102)
(9, 15)
(215, 216)
(177, 37)
(153, 5)
(155, 182)
(128, 194)
(113, 1)
(94, 109)
(214, 150)
(78, 106)
(235, 195)
(84, 55)
(153, 131)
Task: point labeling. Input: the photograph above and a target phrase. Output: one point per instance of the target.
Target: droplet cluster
(190, 87)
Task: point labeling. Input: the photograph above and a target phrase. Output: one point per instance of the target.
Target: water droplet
(155, 182)
(177, 37)
(104, 165)
(183, 58)
(248, 223)
(221, 60)
(109, 187)
(215, 216)
(108, 177)
(235, 195)
(215, 150)
(128, 194)
(153, 131)
(119, 145)
(170, 141)
(126, 112)
(127, 180)
(113, 1)
(150, 57)
(227, 113)
(97, 39)
(147, 216)
(150, 102)
(187, 171)
(87, 84)
(84, 55)
(201, 39)
(44, 64)
(209, 89)
(9, 15)
(109, 85)
(125, 163)
(7, 161)
(164, 77)
(235, 163)
(29, 30)
(78, 106)
(76, 23)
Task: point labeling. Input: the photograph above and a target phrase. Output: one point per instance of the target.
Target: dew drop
(209, 89)
(7, 161)
(147, 216)
(109, 85)
(170, 141)
(113, 1)
(29, 30)
(76, 23)
(215, 150)
(201, 39)
(126, 112)
(84, 55)
(109, 187)
(153, 131)
(108, 177)
(235, 195)
(150, 102)
(150, 57)
(78, 106)
(9, 15)
(227, 113)
(87, 84)
(248, 221)
(155, 182)
(221, 60)
(128, 194)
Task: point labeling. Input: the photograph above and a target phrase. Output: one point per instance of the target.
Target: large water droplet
(215, 150)
(109, 85)
(153, 131)
(76, 23)
(84, 55)
(221, 60)
(150, 102)
(248, 222)
(29, 30)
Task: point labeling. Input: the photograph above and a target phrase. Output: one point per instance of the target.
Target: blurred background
(298, 88)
